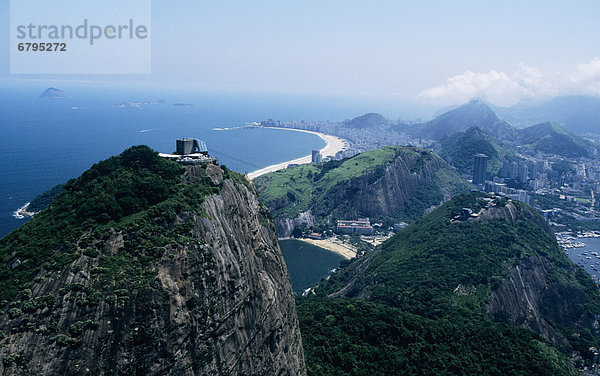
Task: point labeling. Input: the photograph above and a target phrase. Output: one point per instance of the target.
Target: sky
(423, 52)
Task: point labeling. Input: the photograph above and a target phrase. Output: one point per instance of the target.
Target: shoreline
(333, 145)
(22, 212)
(334, 247)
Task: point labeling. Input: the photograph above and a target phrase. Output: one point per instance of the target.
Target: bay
(46, 141)
(307, 263)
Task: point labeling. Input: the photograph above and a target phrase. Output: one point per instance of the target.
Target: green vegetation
(303, 184)
(108, 192)
(65, 340)
(42, 201)
(344, 337)
(328, 189)
(77, 328)
(460, 149)
(419, 273)
(553, 139)
(427, 291)
(136, 194)
(564, 167)
(115, 222)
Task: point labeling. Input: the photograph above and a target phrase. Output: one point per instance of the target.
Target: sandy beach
(341, 249)
(333, 145)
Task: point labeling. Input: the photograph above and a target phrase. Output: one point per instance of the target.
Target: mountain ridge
(142, 266)
(393, 183)
(473, 113)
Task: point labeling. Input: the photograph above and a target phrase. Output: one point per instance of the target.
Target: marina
(583, 250)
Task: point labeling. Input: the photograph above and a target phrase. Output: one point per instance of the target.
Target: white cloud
(586, 78)
(504, 88)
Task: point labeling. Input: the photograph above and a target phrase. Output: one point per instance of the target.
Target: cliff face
(540, 290)
(402, 186)
(382, 192)
(530, 298)
(212, 297)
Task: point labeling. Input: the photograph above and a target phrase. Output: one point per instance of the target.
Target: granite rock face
(531, 298)
(219, 303)
(384, 191)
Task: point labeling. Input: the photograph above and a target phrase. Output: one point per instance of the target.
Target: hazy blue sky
(438, 52)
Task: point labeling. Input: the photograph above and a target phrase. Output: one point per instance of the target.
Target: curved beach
(333, 145)
(333, 246)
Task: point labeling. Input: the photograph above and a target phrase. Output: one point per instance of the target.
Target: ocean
(46, 141)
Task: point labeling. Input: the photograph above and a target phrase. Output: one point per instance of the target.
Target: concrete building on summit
(190, 151)
(190, 146)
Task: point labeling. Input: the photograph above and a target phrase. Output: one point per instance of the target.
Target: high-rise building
(542, 166)
(524, 173)
(479, 168)
(505, 173)
(514, 170)
(316, 156)
(533, 167)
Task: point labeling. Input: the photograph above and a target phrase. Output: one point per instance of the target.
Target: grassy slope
(308, 183)
(305, 186)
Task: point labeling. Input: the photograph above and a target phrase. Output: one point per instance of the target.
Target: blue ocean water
(307, 263)
(47, 141)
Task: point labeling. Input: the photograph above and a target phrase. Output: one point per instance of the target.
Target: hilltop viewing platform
(190, 151)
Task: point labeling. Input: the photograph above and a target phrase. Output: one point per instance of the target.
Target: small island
(52, 92)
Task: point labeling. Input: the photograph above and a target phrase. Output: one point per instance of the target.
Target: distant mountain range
(474, 128)
(577, 114)
(473, 114)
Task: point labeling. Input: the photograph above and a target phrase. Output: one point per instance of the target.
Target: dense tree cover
(123, 185)
(427, 288)
(460, 149)
(553, 139)
(418, 269)
(42, 201)
(137, 192)
(344, 337)
(564, 167)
